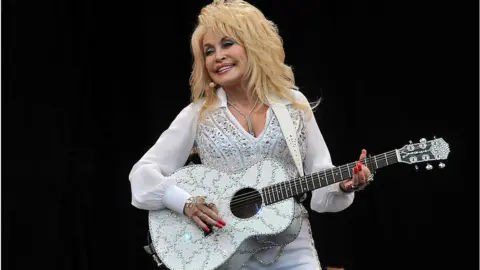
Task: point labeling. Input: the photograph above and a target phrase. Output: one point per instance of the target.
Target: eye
(209, 51)
(228, 43)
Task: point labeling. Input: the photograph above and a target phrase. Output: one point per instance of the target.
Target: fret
(386, 159)
(286, 189)
(269, 197)
(281, 190)
(272, 188)
(348, 170)
(296, 188)
(301, 187)
(376, 163)
(291, 189)
(318, 177)
(325, 173)
(313, 182)
(272, 194)
(263, 198)
(337, 169)
(341, 175)
(325, 183)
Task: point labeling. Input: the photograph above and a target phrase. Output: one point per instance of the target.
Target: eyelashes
(225, 44)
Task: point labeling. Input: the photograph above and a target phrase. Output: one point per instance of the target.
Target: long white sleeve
(150, 186)
(329, 198)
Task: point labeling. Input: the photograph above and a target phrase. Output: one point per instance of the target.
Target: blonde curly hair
(266, 71)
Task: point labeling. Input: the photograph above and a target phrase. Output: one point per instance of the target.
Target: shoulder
(298, 96)
(189, 112)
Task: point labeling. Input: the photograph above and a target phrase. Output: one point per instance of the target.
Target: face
(225, 60)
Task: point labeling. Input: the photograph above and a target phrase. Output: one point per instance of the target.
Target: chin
(228, 82)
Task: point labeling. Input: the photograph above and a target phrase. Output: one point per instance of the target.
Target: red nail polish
(222, 222)
(206, 229)
(219, 225)
(355, 170)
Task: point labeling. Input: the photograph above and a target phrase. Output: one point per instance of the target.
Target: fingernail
(219, 225)
(355, 170)
(222, 222)
(206, 229)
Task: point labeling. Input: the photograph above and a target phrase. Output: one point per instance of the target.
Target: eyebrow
(210, 45)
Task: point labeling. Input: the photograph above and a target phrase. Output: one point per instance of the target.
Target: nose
(220, 56)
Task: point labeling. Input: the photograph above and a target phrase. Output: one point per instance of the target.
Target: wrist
(345, 189)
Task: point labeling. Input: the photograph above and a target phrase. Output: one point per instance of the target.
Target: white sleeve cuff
(175, 198)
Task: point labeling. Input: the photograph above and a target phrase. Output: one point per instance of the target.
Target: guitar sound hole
(246, 203)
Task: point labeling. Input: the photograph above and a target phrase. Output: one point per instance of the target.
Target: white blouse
(152, 190)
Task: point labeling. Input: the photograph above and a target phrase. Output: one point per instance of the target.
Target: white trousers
(298, 255)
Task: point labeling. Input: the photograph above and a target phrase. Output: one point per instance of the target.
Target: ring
(370, 178)
(193, 201)
(210, 205)
(208, 202)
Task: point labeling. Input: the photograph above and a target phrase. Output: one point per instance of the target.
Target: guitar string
(300, 180)
(246, 198)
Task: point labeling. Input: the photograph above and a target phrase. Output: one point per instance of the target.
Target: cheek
(241, 55)
(209, 64)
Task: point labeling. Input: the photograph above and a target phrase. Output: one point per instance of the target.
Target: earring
(212, 85)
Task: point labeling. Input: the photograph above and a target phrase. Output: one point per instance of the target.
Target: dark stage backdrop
(88, 86)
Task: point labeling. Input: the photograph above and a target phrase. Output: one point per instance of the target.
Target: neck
(239, 95)
(297, 186)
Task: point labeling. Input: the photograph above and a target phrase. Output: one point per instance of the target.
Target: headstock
(424, 151)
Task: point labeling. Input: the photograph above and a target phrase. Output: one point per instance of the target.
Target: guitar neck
(297, 186)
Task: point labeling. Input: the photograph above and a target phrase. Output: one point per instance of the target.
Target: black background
(88, 86)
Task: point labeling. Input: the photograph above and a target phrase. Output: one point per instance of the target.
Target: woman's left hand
(360, 178)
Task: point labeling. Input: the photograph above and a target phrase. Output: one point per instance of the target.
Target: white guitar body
(181, 244)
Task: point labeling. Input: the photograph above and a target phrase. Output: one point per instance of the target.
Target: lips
(225, 68)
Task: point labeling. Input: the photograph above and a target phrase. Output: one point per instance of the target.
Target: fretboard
(294, 187)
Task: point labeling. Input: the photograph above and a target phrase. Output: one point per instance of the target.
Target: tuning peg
(423, 140)
(416, 168)
(434, 137)
(429, 167)
(410, 142)
(441, 165)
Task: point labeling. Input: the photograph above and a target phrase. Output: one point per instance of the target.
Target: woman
(238, 67)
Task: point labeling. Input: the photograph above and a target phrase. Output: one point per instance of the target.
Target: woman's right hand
(203, 213)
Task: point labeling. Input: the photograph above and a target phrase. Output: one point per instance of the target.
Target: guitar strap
(289, 133)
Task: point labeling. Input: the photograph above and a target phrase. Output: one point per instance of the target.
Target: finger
(190, 211)
(205, 218)
(363, 155)
(361, 178)
(200, 223)
(213, 218)
(355, 177)
(213, 207)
